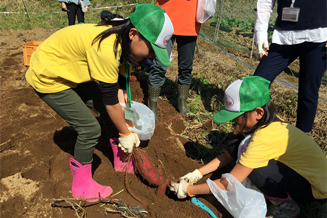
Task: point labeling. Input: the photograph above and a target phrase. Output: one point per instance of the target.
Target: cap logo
(155, 26)
(165, 34)
(166, 40)
(229, 102)
(243, 95)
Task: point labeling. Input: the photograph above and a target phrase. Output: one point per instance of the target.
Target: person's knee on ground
(283, 207)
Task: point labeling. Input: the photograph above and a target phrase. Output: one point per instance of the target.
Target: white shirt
(283, 37)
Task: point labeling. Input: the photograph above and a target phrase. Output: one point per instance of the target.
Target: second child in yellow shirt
(283, 162)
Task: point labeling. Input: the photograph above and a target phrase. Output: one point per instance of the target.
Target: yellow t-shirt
(68, 58)
(292, 147)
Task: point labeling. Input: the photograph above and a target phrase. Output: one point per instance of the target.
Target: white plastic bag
(81, 2)
(145, 124)
(240, 202)
(206, 9)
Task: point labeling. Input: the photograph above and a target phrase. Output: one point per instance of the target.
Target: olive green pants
(73, 106)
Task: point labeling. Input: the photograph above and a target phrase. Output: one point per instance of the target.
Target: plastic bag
(240, 202)
(206, 9)
(81, 2)
(145, 124)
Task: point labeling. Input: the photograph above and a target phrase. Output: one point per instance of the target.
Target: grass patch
(47, 14)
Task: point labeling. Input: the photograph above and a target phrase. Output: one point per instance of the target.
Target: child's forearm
(210, 167)
(240, 172)
(217, 163)
(116, 115)
(203, 189)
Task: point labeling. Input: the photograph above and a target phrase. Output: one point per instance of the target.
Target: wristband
(188, 191)
(129, 132)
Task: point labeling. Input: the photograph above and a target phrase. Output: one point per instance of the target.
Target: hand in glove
(261, 45)
(128, 141)
(180, 188)
(192, 177)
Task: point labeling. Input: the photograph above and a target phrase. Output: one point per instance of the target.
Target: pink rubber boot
(120, 158)
(83, 185)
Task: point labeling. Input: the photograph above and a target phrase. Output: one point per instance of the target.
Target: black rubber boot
(182, 94)
(153, 95)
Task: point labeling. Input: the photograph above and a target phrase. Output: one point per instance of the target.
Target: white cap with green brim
(243, 95)
(155, 26)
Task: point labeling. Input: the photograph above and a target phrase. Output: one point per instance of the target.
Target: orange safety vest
(182, 14)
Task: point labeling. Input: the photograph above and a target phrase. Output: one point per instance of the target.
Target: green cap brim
(162, 55)
(223, 116)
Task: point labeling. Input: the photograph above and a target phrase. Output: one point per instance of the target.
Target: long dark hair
(121, 28)
(269, 116)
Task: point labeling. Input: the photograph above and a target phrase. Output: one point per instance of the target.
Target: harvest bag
(81, 2)
(240, 202)
(145, 120)
(206, 9)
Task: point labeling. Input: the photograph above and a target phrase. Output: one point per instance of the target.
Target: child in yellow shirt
(64, 70)
(283, 162)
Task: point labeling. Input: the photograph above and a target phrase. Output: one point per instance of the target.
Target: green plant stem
(26, 11)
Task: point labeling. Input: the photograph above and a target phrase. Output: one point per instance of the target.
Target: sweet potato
(146, 169)
(149, 172)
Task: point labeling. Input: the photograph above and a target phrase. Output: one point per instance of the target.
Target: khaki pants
(73, 106)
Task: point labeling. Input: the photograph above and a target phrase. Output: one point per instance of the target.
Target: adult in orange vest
(186, 29)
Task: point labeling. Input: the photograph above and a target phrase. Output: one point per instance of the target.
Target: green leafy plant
(245, 25)
(235, 22)
(271, 29)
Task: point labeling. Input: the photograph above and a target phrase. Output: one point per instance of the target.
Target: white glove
(262, 44)
(180, 188)
(192, 177)
(127, 142)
